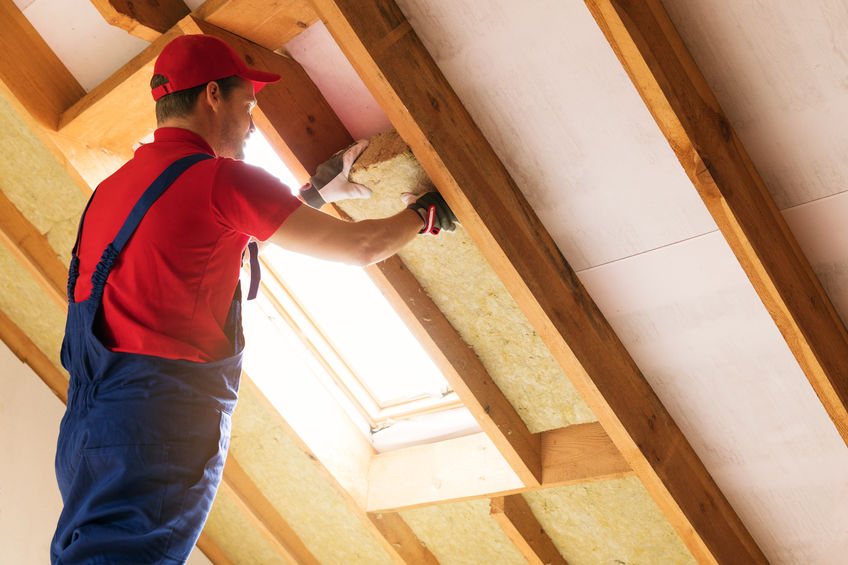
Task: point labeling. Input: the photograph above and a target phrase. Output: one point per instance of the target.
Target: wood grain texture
(244, 492)
(145, 19)
(211, 550)
(269, 23)
(516, 519)
(32, 72)
(580, 453)
(421, 104)
(400, 536)
(679, 98)
(461, 368)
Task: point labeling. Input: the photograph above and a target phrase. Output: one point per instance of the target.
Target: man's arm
(320, 235)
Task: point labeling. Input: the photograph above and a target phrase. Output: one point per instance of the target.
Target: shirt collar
(183, 136)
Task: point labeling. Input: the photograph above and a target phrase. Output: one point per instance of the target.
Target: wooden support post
(145, 19)
(687, 112)
(394, 64)
(400, 536)
(516, 519)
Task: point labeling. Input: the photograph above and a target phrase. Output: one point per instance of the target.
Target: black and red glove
(330, 182)
(434, 211)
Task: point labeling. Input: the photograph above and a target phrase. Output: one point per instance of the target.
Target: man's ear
(212, 95)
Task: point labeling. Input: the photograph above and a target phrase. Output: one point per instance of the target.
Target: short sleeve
(250, 200)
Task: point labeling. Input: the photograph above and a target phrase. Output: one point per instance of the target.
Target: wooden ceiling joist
(400, 536)
(145, 19)
(516, 519)
(471, 467)
(689, 115)
(269, 23)
(396, 67)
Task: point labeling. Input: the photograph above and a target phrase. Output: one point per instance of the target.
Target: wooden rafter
(683, 105)
(471, 467)
(269, 23)
(400, 535)
(146, 19)
(394, 64)
(516, 519)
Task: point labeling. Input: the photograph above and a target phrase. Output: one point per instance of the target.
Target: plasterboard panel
(821, 228)
(780, 71)
(90, 48)
(545, 88)
(326, 65)
(709, 349)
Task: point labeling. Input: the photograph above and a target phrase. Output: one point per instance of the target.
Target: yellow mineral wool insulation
(608, 522)
(233, 532)
(455, 275)
(37, 184)
(463, 533)
(298, 489)
(27, 305)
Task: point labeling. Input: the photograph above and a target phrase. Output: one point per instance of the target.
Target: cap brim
(259, 78)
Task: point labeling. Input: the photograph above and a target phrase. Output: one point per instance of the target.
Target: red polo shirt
(170, 289)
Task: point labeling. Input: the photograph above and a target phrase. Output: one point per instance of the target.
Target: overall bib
(143, 441)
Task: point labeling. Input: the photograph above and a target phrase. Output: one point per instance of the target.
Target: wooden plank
(401, 536)
(394, 64)
(580, 453)
(32, 72)
(247, 496)
(516, 519)
(32, 250)
(24, 349)
(212, 551)
(269, 23)
(689, 115)
(470, 467)
(146, 19)
(461, 368)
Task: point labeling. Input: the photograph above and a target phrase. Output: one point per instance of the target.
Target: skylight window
(351, 339)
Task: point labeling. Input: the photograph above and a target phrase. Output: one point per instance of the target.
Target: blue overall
(143, 441)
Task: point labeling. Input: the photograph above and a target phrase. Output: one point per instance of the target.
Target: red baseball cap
(192, 60)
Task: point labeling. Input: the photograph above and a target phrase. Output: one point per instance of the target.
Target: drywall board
(232, 531)
(780, 72)
(821, 228)
(453, 272)
(298, 489)
(548, 93)
(29, 497)
(90, 48)
(607, 522)
(711, 352)
(329, 69)
(463, 533)
(37, 184)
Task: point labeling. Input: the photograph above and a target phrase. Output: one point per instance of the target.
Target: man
(153, 340)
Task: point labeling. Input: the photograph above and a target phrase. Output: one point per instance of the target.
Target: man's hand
(434, 211)
(330, 182)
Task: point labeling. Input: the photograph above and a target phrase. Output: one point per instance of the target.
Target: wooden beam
(400, 535)
(24, 349)
(212, 551)
(461, 368)
(32, 250)
(247, 496)
(516, 519)
(269, 23)
(689, 115)
(395, 65)
(145, 19)
(471, 467)
(32, 72)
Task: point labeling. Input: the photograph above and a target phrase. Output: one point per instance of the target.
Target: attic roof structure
(642, 311)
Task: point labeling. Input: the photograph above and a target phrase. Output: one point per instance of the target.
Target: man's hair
(181, 103)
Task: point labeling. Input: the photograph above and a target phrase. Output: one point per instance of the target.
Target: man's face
(236, 121)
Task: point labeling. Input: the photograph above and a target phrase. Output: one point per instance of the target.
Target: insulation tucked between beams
(455, 275)
(233, 532)
(298, 488)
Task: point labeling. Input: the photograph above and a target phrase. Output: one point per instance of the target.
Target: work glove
(330, 182)
(434, 211)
